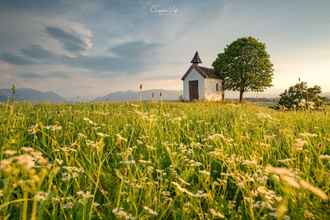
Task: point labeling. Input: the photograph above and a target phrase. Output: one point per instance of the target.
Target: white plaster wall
(194, 75)
(211, 93)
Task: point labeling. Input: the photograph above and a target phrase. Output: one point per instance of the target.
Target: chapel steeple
(196, 60)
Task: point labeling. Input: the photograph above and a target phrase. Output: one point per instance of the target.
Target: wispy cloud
(73, 41)
(130, 58)
(38, 52)
(16, 59)
(51, 75)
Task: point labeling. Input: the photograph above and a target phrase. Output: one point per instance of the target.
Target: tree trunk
(241, 95)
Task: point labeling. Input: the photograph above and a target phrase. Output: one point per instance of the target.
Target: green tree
(219, 65)
(245, 66)
(301, 97)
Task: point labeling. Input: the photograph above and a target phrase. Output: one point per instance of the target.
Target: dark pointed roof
(204, 71)
(196, 59)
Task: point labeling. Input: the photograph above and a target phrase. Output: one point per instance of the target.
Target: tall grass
(163, 161)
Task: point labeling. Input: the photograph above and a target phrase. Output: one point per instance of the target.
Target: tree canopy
(301, 97)
(245, 66)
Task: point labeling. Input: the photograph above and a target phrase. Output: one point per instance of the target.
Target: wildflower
(144, 161)
(150, 211)
(193, 163)
(120, 213)
(264, 145)
(299, 144)
(127, 162)
(166, 193)
(96, 204)
(216, 137)
(250, 163)
(27, 149)
(318, 192)
(102, 135)
(207, 173)
(291, 179)
(41, 196)
(84, 195)
(216, 214)
(324, 157)
(81, 135)
(308, 215)
(9, 152)
(307, 134)
(279, 170)
(120, 139)
(68, 205)
(55, 127)
(26, 161)
(58, 161)
(89, 121)
(199, 194)
(285, 161)
(35, 129)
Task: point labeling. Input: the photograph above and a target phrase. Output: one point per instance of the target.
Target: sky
(91, 48)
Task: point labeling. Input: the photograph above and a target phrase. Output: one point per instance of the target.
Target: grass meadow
(163, 161)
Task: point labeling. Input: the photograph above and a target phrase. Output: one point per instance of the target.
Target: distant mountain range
(153, 94)
(25, 94)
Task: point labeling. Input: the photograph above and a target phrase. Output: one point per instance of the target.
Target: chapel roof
(204, 71)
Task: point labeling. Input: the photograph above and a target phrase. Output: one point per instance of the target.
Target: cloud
(16, 59)
(38, 52)
(130, 57)
(135, 49)
(73, 40)
(32, 4)
(51, 75)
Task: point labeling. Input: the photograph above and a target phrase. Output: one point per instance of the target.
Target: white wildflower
(84, 195)
(307, 134)
(204, 172)
(68, 205)
(324, 157)
(199, 194)
(89, 121)
(150, 211)
(127, 162)
(26, 161)
(250, 163)
(216, 214)
(120, 213)
(100, 134)
(41, 196)
(9, 153)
